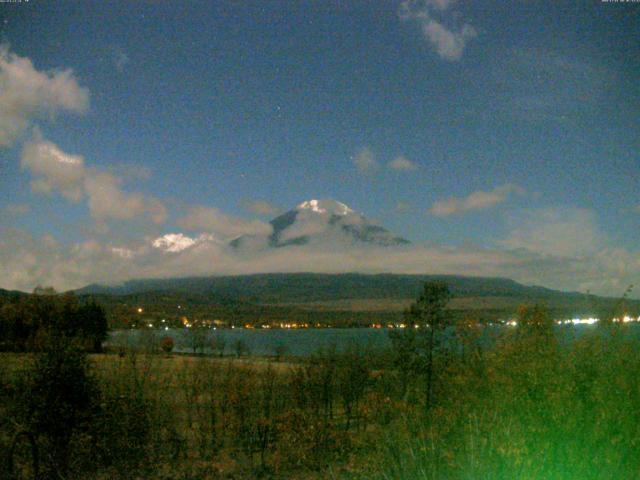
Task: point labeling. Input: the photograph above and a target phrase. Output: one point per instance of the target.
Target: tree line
(27, 322)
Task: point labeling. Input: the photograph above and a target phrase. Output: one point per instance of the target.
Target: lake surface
(300, 342)
(258, 341)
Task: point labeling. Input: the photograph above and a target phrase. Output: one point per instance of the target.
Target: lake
(299, 342)
(258, 341)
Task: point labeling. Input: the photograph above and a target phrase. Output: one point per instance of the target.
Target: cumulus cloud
(130, 171)
(557, 231)
(27, 94)
(53, 169)
(26, 261)
(365, 161)
(475, 201)
(261, 207)
(108, 201)
(210, 219)
(307, 224)
(402, 163)
(449, 43)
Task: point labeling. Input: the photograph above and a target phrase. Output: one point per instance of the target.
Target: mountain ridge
(302, 286)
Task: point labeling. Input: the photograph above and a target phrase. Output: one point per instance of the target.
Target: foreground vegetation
(446, 402)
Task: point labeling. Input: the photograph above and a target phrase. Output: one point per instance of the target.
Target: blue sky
(509, 128)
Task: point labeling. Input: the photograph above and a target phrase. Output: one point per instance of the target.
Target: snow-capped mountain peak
(331, 207)
(173, 242)
(177, 242)
(323, 223)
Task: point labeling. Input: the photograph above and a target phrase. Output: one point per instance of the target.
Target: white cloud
(26, 261)
(108, 201)
(562, 232)
(402, 163)
(475, 201)
(27, 94)
(210, 219)
(448, 42)
(53, 169)
(365, 161)
(261, 207)
(307, 224)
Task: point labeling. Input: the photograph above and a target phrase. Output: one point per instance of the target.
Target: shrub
(166, 344)
(61, 396)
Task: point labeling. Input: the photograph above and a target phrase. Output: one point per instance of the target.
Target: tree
(241, 347)
(27, 324)
(535, 320)
(218, 344)
(352, 379)
(60, 397)
(615, 312)
(425, 319)
(197, 338)
(94, 324)
(280, 350)
(166, 344)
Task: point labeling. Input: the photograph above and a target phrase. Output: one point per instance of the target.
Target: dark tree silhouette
(426, 319)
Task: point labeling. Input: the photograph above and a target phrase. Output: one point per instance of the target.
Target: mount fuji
(323, 222)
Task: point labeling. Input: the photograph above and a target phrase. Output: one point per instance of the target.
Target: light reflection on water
(299, 342)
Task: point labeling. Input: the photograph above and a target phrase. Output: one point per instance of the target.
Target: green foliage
(26, 323)
(241, 348)
(415, 346)
(197, 338)
(218, 344)
(60, 398)
(528, 407)
(429, 310)
(166, 344)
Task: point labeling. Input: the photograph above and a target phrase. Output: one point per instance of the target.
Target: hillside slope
(309, 287)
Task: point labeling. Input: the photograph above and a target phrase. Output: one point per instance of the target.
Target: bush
(61, 396)
(166, 344)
